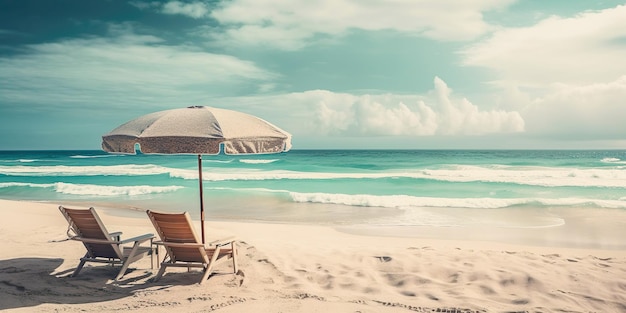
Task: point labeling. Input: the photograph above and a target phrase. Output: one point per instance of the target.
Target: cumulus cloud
(583, 49)
(593, 111)
(195, 9)
(322, 112)
(564, 75)
(145, 5)
(293, 24)
(445, 116)
(460, 116)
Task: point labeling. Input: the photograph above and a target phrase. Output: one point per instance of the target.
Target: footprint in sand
(384, 258)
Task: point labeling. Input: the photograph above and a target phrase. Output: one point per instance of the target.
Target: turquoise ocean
(374, 187)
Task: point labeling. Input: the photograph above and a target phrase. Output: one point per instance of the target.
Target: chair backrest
(178, 228)
(86, 224)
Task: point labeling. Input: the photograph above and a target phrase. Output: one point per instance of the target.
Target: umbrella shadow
(28, 282)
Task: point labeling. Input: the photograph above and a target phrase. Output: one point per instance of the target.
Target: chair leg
(235, 252)
(130, 258)
(124, 268)
(207, 272)
(161, 272)
(80, 266)
(209, 267)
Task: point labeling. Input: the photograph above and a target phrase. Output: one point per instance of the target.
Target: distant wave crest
(534, 176)
(96, 190)
(14, 184)
(19, 161)
(217, 161)
(253, 161)
(613, 160)
(96, 156)
(405, 201)
(63, 170)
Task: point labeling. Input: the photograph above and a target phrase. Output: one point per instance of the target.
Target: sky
(336, 74)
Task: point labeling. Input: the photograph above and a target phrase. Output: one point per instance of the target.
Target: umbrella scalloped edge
(193, 145)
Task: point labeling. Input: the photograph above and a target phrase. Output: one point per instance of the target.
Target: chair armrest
(141, 238)
(92, 240)
(179, 244)
(222, 242)
(115, 235)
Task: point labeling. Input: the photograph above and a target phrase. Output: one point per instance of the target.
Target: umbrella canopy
(197, 130)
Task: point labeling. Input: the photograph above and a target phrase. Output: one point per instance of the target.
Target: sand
(308, 268)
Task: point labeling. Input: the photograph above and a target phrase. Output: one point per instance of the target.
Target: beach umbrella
(197, 130)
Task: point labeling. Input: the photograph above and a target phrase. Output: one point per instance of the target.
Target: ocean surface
(339, 187)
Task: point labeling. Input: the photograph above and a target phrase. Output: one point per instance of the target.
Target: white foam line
(534, 176)
(405, 201)
(96, 190)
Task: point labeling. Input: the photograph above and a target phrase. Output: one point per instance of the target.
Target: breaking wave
(96, 190)
(405, 201)
(252, 161)
(610, 160)
(19, 161)
(96, 156)
(101, 170)
(534, 176)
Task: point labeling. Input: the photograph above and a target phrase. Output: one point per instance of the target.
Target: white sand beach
(307, 268)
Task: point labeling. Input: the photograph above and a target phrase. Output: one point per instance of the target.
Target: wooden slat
(87, 224)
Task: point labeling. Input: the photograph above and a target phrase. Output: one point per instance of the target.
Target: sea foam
(96, 156)
(99, 170)
(405, 201)
(96, 190)
(535, 176)
(253, 161)
(613, 160)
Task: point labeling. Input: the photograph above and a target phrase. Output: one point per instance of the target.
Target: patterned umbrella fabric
(197, 130)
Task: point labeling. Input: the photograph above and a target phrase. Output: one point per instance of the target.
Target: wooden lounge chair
(102, 246)
(184, 248)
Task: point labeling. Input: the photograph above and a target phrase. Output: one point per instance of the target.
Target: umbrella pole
(201, 195)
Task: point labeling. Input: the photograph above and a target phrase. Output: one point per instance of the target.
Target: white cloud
(322, 112)
(144, 5)
(195, 9)
(583, 49)
(293, 24)
(121, 70)
(594, 111)
(566, 76)
(459, 116)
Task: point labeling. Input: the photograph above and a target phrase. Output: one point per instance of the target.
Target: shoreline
(582, 228)
(305, 268)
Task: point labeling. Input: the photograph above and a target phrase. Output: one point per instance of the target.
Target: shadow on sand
(28, 282)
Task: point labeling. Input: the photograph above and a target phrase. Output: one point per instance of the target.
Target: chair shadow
(28, 282)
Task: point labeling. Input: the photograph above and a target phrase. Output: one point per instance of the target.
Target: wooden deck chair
(184, 248)
(102, 246)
